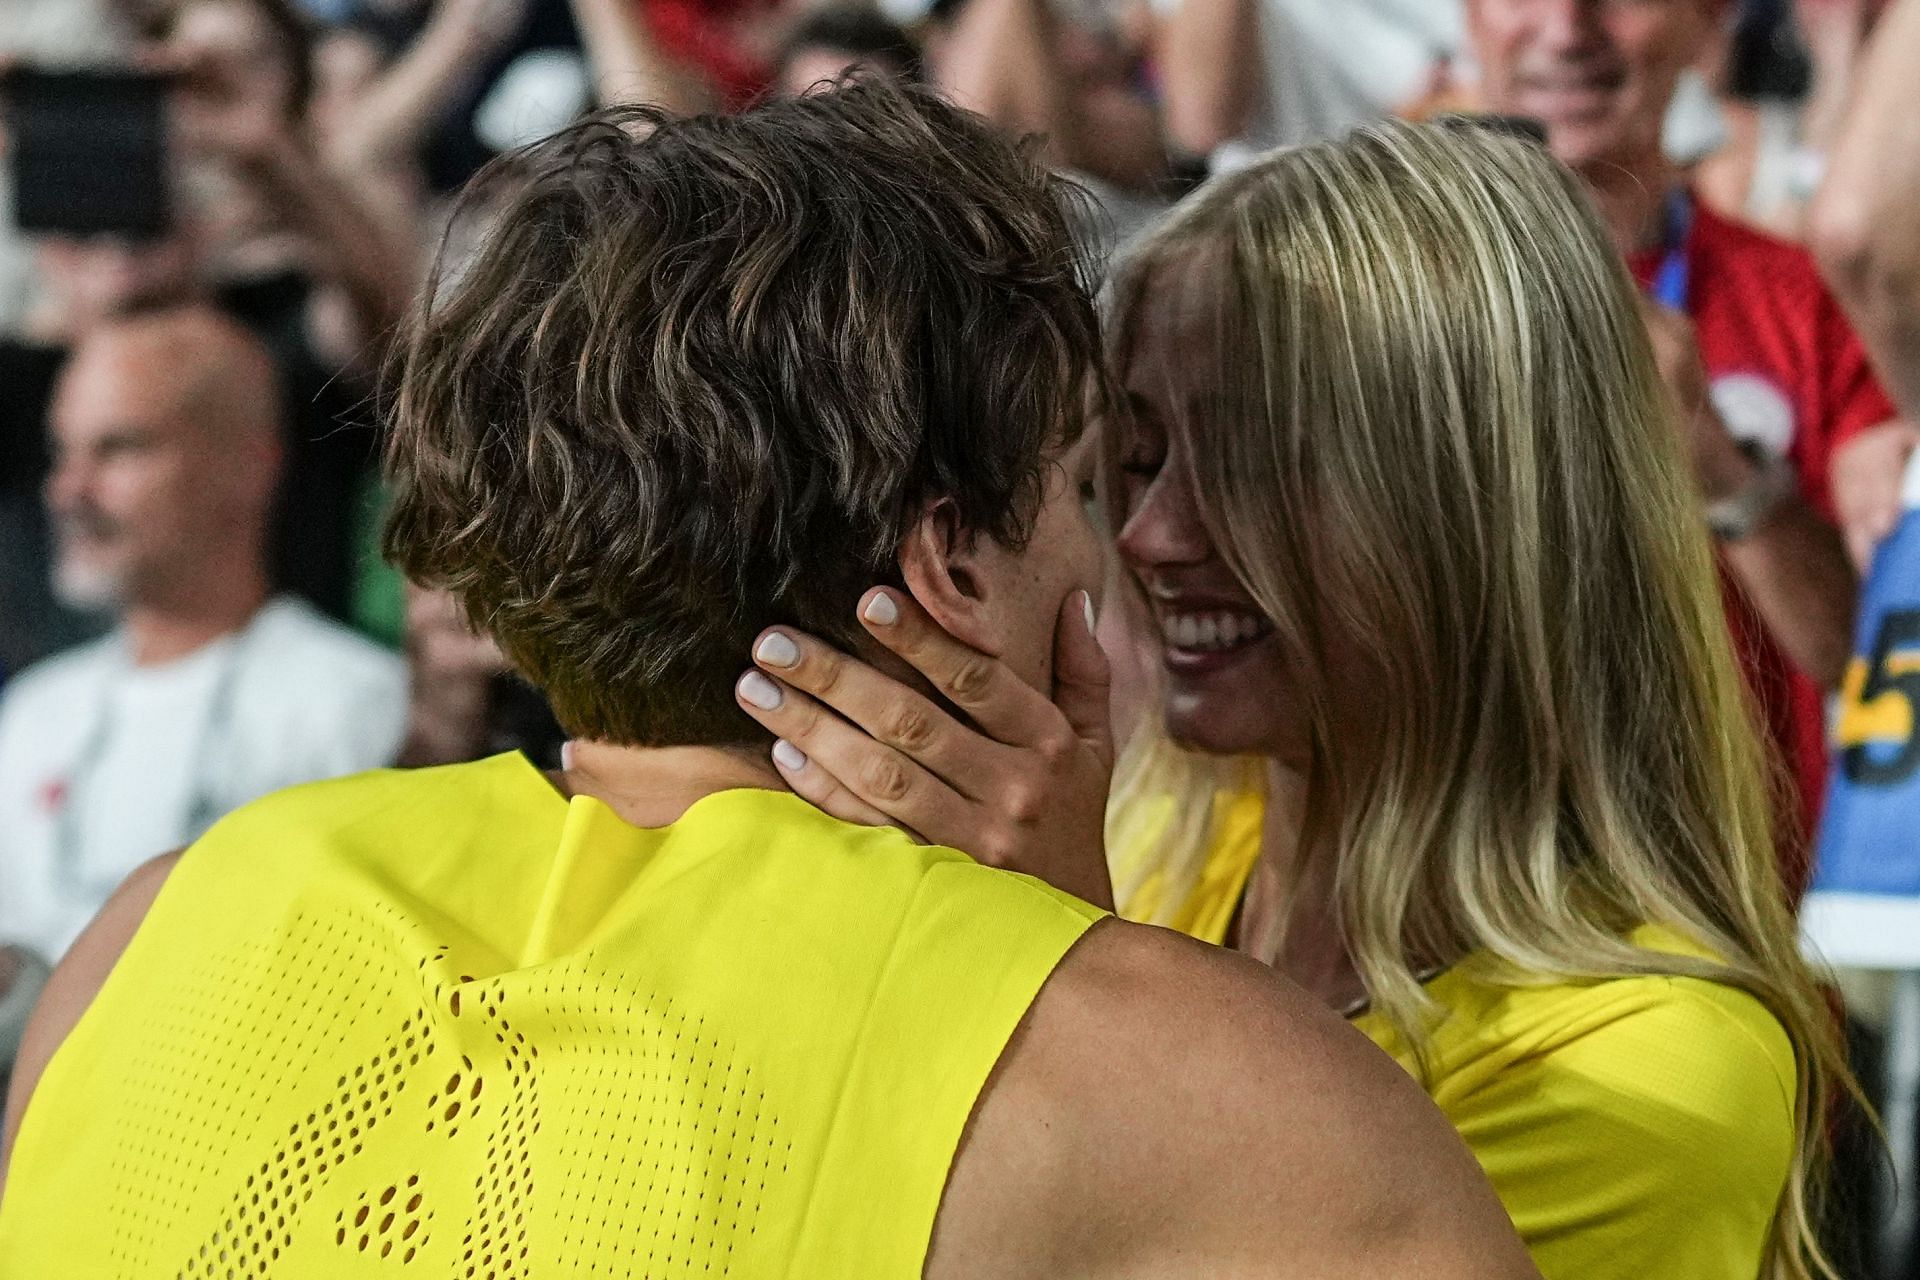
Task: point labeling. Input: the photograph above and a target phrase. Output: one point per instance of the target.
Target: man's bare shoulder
(1173, 1108)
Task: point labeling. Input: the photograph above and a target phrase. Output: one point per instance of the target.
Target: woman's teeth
(1209, 632)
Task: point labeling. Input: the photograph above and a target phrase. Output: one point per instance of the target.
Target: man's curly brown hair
(701, 375)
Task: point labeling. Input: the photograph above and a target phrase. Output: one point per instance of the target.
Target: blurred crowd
(194, 610)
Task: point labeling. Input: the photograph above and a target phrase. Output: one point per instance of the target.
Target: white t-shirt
(104, 765)
(1335, 64)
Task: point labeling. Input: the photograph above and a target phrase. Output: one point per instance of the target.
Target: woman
(1462, 745)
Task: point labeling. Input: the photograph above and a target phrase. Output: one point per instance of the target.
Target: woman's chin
(1233, 727)
(1211, 731)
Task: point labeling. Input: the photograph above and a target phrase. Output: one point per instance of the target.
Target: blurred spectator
(1865, 226)
(1265, 73)
(269, 232)
(282, 235)
(1016, 62)
(383, 94)
(62, 33)
(832, 41)
(1073, 82)
(451, 68)
(211, 691)
(1784, 81)
(465, 702)
(632, 62)
(83, 283)
(723, 41)
(1761, 359)
(1248, 74)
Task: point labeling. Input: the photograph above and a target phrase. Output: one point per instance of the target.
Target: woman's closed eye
(1138, 470)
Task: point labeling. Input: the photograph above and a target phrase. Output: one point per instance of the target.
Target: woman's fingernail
(788, 756)
(777, 650)
(1086, 601)
(882, 611)
(760, 691)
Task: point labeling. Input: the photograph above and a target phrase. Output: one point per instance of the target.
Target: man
(1769, 375)
(210, 692)
(321, 285)
(86, 282)
(705, 374)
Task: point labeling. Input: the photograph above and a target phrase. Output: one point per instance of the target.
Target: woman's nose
(1165, 528)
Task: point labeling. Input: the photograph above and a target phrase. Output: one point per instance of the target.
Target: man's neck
(1632, 198)
(160, 632)
(654, 786)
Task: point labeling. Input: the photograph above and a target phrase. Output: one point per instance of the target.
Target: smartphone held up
(87, 151)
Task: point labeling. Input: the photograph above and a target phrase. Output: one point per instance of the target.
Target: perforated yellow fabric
(449, 1024)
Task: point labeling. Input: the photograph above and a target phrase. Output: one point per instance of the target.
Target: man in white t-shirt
(210, 692)
(1240, 76)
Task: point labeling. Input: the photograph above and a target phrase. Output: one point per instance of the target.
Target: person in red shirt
(1769, 375)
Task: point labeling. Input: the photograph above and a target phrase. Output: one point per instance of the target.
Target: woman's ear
(940, 562)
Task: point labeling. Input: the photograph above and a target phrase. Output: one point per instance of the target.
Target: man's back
(409, 1016)
(450, 1018)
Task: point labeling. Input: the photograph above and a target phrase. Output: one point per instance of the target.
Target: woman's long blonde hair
(1439, 444)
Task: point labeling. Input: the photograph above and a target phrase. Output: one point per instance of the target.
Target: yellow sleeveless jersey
(1635, 1128)
(450, 1024)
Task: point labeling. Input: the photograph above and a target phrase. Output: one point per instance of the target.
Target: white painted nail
(1086, 601)
(778, 650)
(882, 611)
(788, 756)
(760, 691)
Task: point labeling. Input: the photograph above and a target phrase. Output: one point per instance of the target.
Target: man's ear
(940, 562)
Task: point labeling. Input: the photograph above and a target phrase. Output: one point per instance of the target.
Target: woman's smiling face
(1230, 688)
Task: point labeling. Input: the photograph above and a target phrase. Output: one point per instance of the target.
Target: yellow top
(1635, 1128)
(449, 1024)
(1155, 893)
